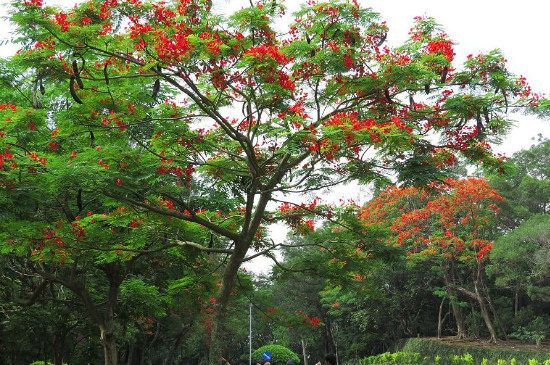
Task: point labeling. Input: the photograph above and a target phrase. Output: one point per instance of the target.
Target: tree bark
(104, 319)
(304, 351)
(485, 313)
(457, 310)
(108, 341)
(440, 319)
(459, 317)
(220, 308)
(483, 308)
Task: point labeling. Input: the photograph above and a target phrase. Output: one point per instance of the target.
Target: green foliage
(536, 330)
(526, 188)
(407, 358)
(280, 354)
(475, 355)
(394, 358)
(519, 259)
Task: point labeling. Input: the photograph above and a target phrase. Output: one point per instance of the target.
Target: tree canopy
(132, 127)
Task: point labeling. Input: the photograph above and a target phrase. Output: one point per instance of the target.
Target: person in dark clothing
(330, 359)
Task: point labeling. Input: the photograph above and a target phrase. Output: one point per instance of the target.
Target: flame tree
(201, 120)
(450, 224)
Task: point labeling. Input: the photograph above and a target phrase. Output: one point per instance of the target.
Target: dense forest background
(307, 303)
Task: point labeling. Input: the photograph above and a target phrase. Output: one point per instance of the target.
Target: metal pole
(250, 334)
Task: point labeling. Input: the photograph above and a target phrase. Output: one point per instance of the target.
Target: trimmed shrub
(430, 348)
(280, 354)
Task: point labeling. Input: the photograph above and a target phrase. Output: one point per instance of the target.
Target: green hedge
(405, 358)
(430, 348)
(280, 354)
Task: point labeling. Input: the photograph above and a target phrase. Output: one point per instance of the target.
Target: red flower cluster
(9, 156)
(35, 157)
(7, 105)
(33, 2)
(61, 20)
(175, 48)
(262, 52)
(314, 321)
(294, 215)
(441, 46)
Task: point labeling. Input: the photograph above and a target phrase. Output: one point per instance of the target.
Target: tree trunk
(109, 346)
(485, 313)
(130, 359)
(177, 342)
(516, 303)
(459, 318)
(483, 307)
(440, 319)
(58, 349)
(255, 209)
(304, 352)
(457, 310)
(220, 308)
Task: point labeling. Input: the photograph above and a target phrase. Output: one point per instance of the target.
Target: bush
(404, 358)
(430, 348)
(396, 358)
(280, 354)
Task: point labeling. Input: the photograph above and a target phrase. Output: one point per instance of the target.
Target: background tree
(525, 190)
(519, 263)
(450, 225)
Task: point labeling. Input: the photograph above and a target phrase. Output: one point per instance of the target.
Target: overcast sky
(519, 28)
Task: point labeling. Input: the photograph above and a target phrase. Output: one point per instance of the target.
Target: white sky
(519, 28)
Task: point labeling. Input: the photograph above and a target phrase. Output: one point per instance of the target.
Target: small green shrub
(397, 358)
(280, 354)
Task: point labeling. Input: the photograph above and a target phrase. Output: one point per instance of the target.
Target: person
(330, 359)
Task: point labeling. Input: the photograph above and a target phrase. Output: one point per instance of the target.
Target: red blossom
(441, 46)
(262, 52)
(33, 2)
(106, 29)
(348, 61)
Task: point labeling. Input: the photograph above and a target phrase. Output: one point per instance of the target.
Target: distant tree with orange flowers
(448, 223)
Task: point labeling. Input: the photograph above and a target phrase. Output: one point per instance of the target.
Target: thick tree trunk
(485, 313)
(457, 310)
(459, 317)
(220, 308)
(255, 209)
(108, 342)
(483, 308)
(59, 343)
